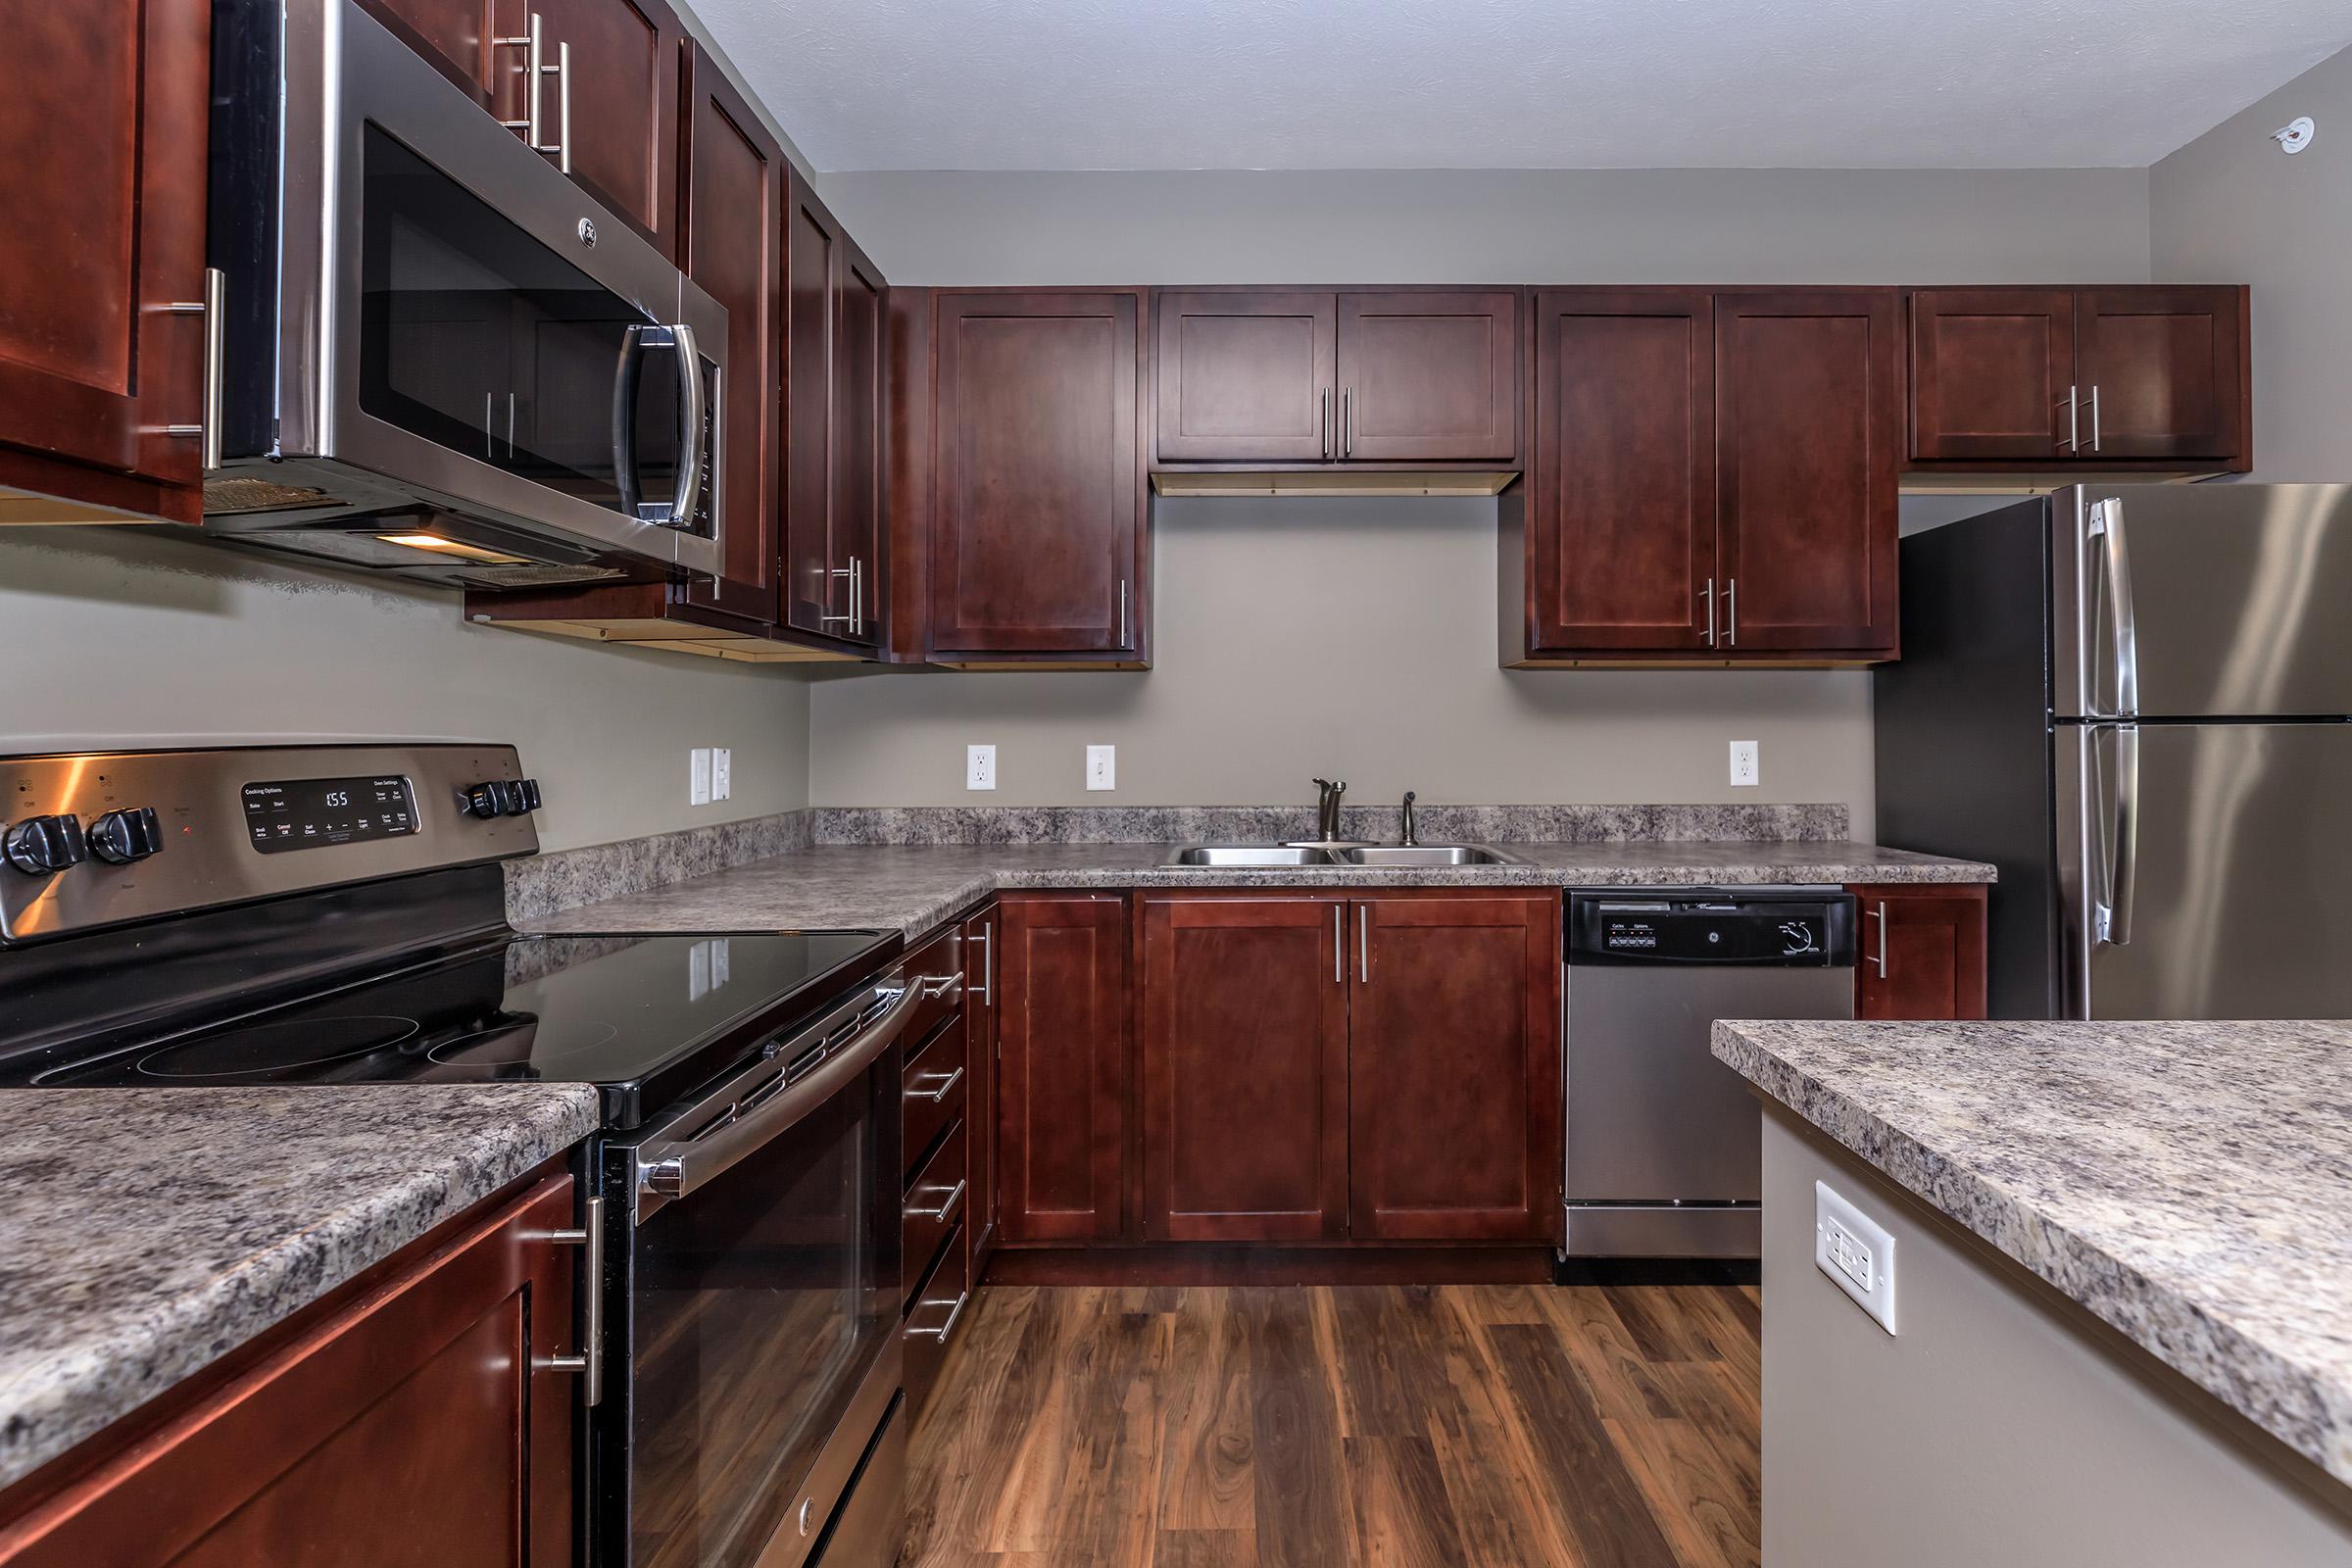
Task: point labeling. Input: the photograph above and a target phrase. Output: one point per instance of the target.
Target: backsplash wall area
(129, 636)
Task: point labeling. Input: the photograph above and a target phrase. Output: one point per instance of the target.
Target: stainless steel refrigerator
(2136, 702)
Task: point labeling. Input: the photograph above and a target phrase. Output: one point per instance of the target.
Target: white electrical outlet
(1101, 767)
(1745, 768)
(979, 767)
(697, 776)
(1856, 1252)
(722, 773)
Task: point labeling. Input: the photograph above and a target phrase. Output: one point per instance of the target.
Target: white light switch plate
(722, 773)
(1855, 1252)
(697, 776)
(1745, 769)
(979, 767)
(1101, 767)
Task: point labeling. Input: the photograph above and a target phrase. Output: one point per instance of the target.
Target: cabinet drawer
(933, 1207)
(938, 967)
(935, 1317)
(931, 1093)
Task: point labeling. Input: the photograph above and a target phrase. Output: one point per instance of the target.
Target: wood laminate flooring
(1287, 1426)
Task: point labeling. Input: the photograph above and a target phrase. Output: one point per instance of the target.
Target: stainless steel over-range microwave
(434, 355)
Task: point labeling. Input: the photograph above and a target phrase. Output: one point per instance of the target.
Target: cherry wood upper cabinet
(620, 140)
(1809, 433)
(417, 1422)
(1454, 1126)
(1429, 376)
(861, 304)
(1923, 953)
(1038, 521)
(1246, 377)
(835, 311)
(1062, 1087)
(102, 266)
(2165, 372)
(1611, 542)
(1990, 373)
(1245, 1075)
(731, 236)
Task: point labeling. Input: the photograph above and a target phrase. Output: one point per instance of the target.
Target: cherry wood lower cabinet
(1922, 951)
(981, 934)
(102, 329)
(1063, 1082)
(416, 1422)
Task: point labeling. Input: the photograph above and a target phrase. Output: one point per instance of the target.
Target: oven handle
(678, 1169)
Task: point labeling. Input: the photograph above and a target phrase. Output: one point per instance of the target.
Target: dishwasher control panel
(1787, 929)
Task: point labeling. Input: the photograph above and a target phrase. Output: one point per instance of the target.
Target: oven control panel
(102, 838)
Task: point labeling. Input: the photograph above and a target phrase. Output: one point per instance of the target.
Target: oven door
(761, 1313)
(460, 329)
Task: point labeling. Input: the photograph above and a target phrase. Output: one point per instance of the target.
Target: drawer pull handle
(946, 1327)
(947, 1086)
(941, 1213)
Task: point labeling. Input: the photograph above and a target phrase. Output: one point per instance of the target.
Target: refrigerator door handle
(2114, 762)
(2115, 578)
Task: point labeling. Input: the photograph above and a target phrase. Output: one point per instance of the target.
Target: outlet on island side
(979, 767)
(1745, 771)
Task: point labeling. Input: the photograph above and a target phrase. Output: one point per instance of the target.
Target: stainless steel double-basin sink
(1261, 856)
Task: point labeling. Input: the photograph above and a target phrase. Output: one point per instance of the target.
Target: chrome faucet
(1410, 838)
(1327, 810)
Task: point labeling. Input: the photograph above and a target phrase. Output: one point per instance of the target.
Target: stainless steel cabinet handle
(214, 309)
(1879, 915)
(946, 1327)
(987, 964)
(1339, 945)
(2074, 420)
(850, 618)
(1364, 945)
(2094, 416)
(534, 56)
(955, 1197)
(591, 1360)
(1347, 423)
(1323, 426)
(1730, 611)
(1124, 640)
(1709, 593)
(947, 1086)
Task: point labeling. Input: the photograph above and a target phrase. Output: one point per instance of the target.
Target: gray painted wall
(122, 636)
(1356, 639)
(2232, 207)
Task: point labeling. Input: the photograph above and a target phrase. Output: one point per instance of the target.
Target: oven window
(761, 1300)
(479, 339)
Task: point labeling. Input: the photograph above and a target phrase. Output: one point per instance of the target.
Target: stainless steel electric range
(288, 915)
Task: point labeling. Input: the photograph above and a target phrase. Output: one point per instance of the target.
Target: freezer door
(2203, 870)
(2201, 601)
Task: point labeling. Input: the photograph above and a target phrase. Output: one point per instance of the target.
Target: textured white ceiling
(864, 84)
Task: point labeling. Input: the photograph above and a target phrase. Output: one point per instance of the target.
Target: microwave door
(2202, 601)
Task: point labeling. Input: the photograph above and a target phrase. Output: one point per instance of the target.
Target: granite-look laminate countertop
(913, 888)
(2190, 1184)
(145, 1232)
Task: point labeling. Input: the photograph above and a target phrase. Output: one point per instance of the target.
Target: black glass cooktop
(646, 1019)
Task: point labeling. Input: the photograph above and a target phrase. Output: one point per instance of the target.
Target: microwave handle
(690, 449)
(624, 417)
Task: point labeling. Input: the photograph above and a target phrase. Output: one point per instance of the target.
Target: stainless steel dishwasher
(1663, 1138)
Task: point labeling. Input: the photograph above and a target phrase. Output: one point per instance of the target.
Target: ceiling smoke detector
(2294, 137)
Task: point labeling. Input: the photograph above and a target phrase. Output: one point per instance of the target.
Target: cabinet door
(1245, 1049)
(420, 1424)
(2166, 368)
(1808, 431)
(622, 135)
(1454, 1069)
(454, 37)
(1923, 953)
(1620, 532)
(854, 521)
(1038, 524)
(814, 599)
(1430, 377)
(1990, 373)
(731, 232)
(1246, 377)
(105, 183)
(981, 934)
(1062, 1063)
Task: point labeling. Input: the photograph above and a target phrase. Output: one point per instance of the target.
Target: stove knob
(528, 791)
(485, 800)
(132, 834)
(42, 846)
(510, 802)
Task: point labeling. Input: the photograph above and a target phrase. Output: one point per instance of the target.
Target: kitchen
(778, 890)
